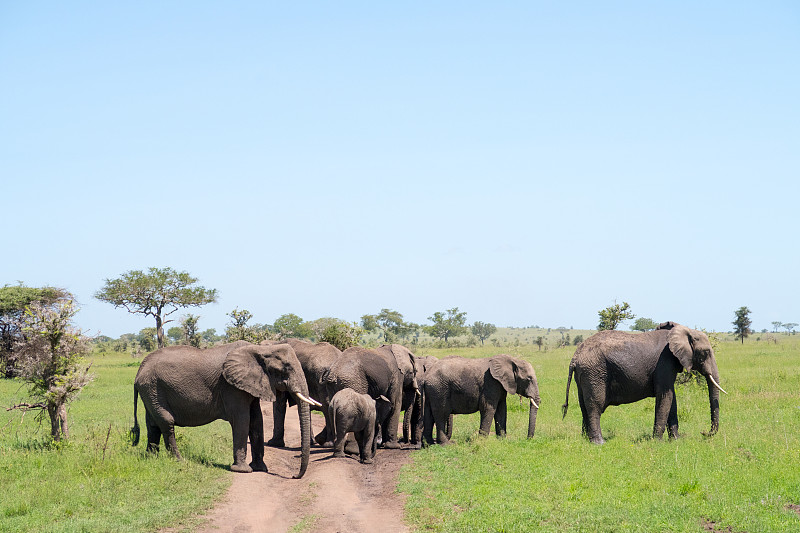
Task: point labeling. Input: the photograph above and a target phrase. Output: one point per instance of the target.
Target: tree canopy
(614, 315)
(742, 323)
(14, 300)
(390, 323)
(50, 361)
(644, 324)
(450, 323)
(483, 330)
(159, 292)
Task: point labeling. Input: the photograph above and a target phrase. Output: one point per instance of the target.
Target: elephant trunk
(304, 412)
(713, 400)
(532, 419)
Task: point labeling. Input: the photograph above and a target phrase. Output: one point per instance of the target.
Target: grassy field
(97, 481)
(742, 478)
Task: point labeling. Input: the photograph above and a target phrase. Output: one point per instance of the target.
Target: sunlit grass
(97, 481)
(742, 478)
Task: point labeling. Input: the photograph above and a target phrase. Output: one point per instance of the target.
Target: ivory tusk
(533, 403)
(715, 383)
(308, 400)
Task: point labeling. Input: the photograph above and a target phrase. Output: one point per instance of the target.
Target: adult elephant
(457, 385)
(403, 362)
(187, 386)
(413, 415)
(366, 372)
(315, 359)
(615, 367)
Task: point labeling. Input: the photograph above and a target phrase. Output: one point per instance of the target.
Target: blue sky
(527, 162)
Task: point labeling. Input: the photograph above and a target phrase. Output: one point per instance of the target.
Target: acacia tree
(51, 361)
(388, 322)
(159, 292)
(614, 315)
(644, 324)
(742, 323)
(483, 330)
(14, 299)
(190, 333)
(451, 323)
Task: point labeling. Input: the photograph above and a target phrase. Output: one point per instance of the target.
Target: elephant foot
(366, 461)
(391, 445)
(338, 453)
(243, 469)
(321, 439)
(258, 466)
(275, 442)
(598, 440)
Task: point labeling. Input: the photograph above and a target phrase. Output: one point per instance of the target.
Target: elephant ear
(502, 369)
(242, 370)
(680, 346)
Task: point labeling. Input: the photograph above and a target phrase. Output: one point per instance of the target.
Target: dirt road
(335, 495)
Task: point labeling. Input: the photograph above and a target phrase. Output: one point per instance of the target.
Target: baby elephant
(359, 413)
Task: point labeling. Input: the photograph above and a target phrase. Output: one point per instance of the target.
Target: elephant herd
(363, 391)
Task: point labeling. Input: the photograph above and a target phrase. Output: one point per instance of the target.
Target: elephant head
(406, 363)
(263, 370)
(517, 377)
(694, 352)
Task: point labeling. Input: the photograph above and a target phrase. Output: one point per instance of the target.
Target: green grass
(742, 478)
(97, 481)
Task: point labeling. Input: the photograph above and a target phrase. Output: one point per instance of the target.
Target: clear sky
(527, 162)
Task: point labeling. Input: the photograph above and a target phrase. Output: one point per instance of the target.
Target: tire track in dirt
(335, 495)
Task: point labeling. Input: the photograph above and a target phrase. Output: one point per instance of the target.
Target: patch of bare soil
(711, 526)
(335, 495)
(793, 507)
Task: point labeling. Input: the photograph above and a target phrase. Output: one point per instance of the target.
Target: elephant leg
(416, 422)
(440, 416)
(592, 421)
(153, 433)
(278, 420)
(500, 417)
(325, 438)
(449, 427)
(407, 425)
(389, 428)
(256, 435)
(427, 424)
(487, 414)
(664, 401)
(240, 427)
(339, 442)
(364, 438)
(170, 442)
(672, 419)
(584, 415)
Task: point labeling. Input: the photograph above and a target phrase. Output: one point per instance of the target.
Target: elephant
(359, 413)
(400, 358)
(615, 367)
(366, 372)
(413, 406)
(315, 359)
(187, 386)
(457, 385)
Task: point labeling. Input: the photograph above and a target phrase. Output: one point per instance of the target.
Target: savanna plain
(743, 479)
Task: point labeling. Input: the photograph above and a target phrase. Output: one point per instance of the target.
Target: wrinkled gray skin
(615, 367)
(413, 406)
(366, 372)
(315, 359)
(457, 385)
(187, 386)
(403, 361)
(357, 413)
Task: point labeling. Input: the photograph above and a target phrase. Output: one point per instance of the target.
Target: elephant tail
(135, 428)
(566, 401)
